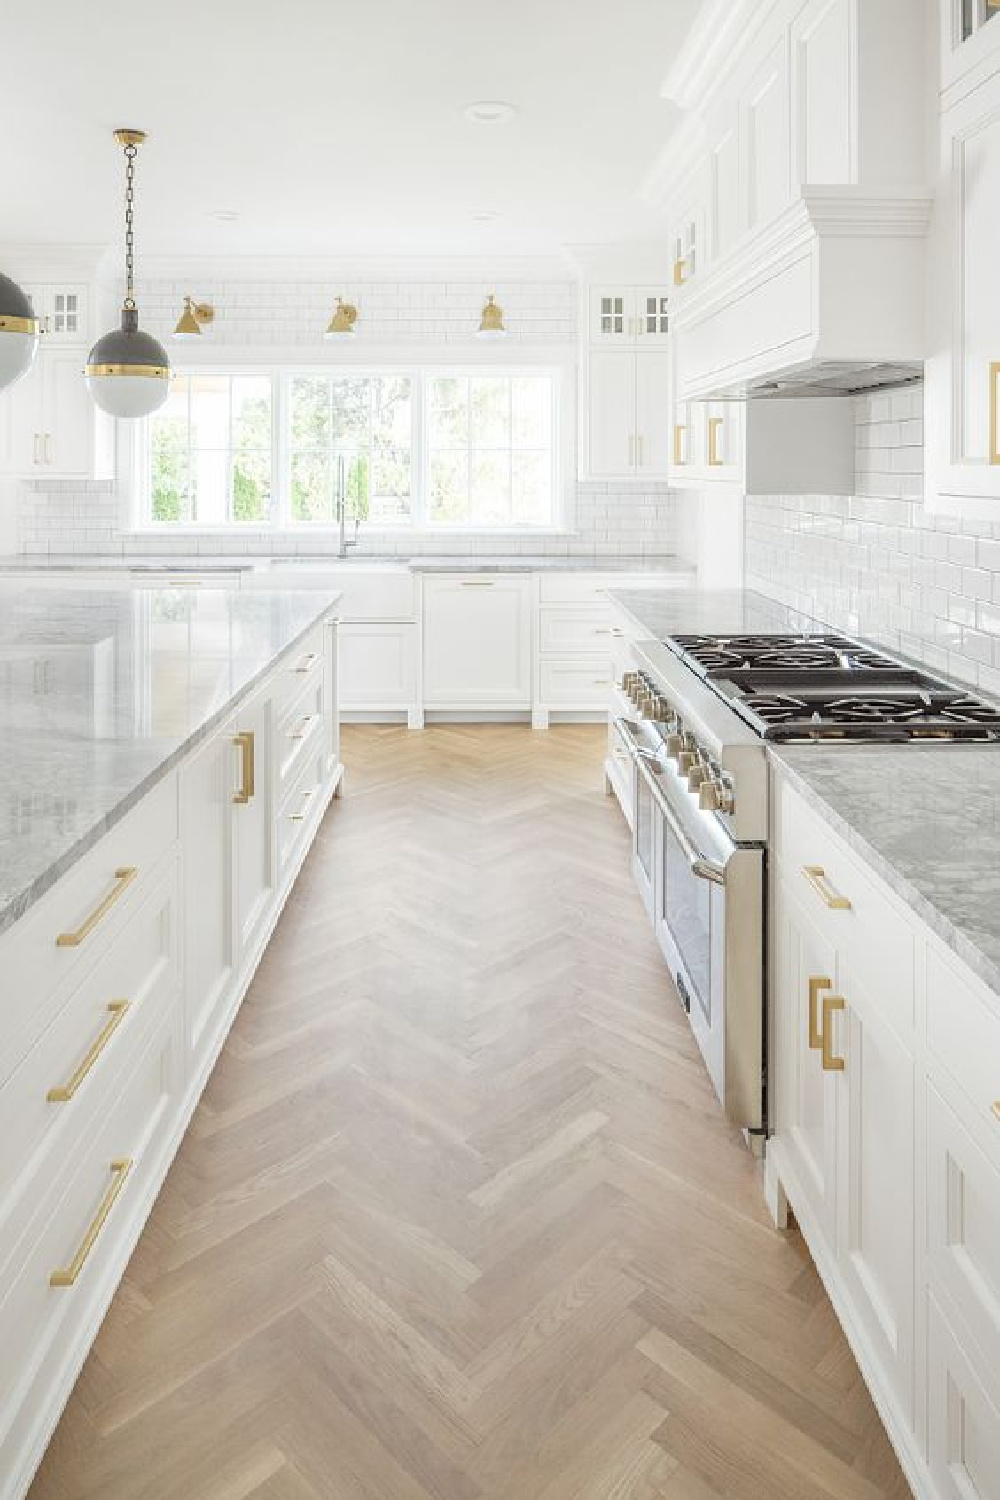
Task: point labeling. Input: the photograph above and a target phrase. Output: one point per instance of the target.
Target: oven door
(706, 898)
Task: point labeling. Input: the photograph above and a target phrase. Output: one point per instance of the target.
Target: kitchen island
(167, 756)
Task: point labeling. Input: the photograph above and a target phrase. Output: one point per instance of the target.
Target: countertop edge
(941, 925)
(16, 908)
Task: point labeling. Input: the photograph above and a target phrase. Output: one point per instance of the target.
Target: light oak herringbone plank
(459, 1217)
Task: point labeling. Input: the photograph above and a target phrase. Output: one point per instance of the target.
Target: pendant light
(18, 332)
(127, 371)
(341, 325)
(491, 324)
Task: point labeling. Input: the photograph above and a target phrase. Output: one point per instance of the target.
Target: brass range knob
(709, 797)
(685, 761)
(696, 776)
(672, 744)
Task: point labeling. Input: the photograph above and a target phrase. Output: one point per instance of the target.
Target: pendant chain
(130, 155)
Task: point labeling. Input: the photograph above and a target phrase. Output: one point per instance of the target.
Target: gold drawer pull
(120, 1168)
(117, 1011)
(184, 583)
(996, 1108)
(831, 1004)
(478, 583)
(300, 816)
(308, 662)
(248, 785)
(994, 401)
(680, 432)
(680, 271)
(816, 876)
(715, 426)
(302, 729)
(816, 983)
(123, 879)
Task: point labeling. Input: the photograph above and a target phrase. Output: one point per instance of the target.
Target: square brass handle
(996, 1102)
(817, 878)
(245, 744)
(816, 984)
(831, 1004)
(715, 426)
(680, 271)
(679, 433)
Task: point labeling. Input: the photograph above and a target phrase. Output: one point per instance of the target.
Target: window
(210, 451)
(356, 429)
(433, 448)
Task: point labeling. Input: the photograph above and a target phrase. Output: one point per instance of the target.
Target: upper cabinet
(628, 314)
(63, 311)
(970, 40)
(625, 408)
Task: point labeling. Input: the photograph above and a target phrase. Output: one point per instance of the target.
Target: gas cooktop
(829, 687)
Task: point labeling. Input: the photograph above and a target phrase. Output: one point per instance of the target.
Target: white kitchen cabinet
(63, 311)
(763, 107)
(969, 40)
(688, 238)
(378, 666)
(963, 1416)
(49, 426)
(207, 809)
(477, 641)
(628, 315)
(628, 416)
(726, 212)
(253, 818)
(824, 142)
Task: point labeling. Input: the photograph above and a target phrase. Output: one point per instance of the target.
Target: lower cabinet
(477, 648)
(378, 666)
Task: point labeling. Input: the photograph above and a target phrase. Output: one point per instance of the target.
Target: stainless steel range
(691, 720)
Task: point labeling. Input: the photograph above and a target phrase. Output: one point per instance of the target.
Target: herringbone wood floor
(459, 1216)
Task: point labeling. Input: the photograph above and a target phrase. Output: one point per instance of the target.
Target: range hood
(827, 300)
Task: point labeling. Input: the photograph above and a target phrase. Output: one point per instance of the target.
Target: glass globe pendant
(127, 371)
(18, 332)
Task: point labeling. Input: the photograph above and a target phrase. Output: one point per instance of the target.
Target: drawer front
(298, 810)
(378, 666)
(575, 682)
(963, 1406)
(963, 1212)
(963, 1035)
(65, 1272)
(46, 1103)
(70, 928)
(575, 588)
(849, 907)
(583, 629)
(299, 670)
(622, 771)
(297, 729)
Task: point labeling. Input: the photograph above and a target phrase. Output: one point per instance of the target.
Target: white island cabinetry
(127, 975)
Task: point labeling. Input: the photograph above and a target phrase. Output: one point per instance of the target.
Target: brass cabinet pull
(245, 744)
(816, 876)
(117, 1011)
(120, 1168)
(715, 426)
(816, 983)
(478, 583)
(996, 1108)
(994, 420)
(303, 728)
(679, 433)
(831, 1004)
(680, 271)
(124, 877)
(300, 816)
(307, 663)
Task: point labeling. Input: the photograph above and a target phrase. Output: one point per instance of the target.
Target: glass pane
(210, 486)
(309, 402)
(351, 414)
(170, 490)
(392, 427)
(489, 412)
(531, 402)
(251, 486)
(449, 486)
(312, 487)
(357, 484)
(252, 412)
(209, 411)
(489, 489)
(531, 498)
(448, 411)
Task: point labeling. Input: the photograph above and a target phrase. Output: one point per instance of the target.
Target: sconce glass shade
(341, 325)
(491, 324)
(127, 371)
(18, 332)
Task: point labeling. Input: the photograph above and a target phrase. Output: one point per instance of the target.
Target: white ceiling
(337, 127)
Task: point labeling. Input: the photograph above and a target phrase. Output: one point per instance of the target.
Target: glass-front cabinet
(968, 37)
(629, 314)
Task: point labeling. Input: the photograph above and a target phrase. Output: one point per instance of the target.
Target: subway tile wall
(875, 563)
(639, 519)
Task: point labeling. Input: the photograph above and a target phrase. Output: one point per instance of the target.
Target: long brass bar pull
(117, 1011)
(816, 984)
(120, 1168)
(831, 1005)
(715, 426)
(123, 879)
(995, 409)
(996, 1109)
(816, 876)
(244, 743)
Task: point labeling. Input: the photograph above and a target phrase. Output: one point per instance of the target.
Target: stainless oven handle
(705, 869)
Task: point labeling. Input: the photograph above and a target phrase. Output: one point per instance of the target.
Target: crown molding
(723, 31)
(321, 269)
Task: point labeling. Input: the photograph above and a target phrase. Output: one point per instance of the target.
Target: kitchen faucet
(345, 541)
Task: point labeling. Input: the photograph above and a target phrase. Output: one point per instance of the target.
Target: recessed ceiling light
(225, 215)
(490, 112)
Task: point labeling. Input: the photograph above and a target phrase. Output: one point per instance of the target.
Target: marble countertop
(419, 563)
(710, 612)
(927, 819)
(103, 691)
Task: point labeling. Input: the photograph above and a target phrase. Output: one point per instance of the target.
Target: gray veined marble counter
(102, 692)
(711, 612)
(458, 562)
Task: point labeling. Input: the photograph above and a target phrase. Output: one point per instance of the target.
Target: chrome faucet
(345, 541)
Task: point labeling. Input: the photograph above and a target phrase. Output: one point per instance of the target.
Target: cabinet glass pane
(612, 315)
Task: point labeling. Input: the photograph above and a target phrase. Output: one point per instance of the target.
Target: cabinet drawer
(574, 682)
(848, 907)
(297, 730)
(622, 772)
(63, 935)
(65, 1273)
(378, 666)
(298, 810)
(586, 628)
(52, 1096)
(963, 1213)
(963, 1034)
(963, 1406)
(299, 669)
